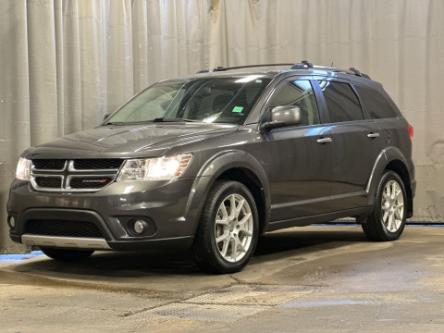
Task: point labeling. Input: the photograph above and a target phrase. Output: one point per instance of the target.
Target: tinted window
(376, 103)
(342, 102)
(298, 93)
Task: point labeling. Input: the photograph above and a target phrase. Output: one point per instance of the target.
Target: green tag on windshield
(237, 109)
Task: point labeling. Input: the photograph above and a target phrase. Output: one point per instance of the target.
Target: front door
(300, 165)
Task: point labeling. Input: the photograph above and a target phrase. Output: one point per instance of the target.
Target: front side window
(298, 93)
(212, 100)
(342, 102)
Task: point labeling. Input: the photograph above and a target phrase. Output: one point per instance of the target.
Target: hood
(147, 140)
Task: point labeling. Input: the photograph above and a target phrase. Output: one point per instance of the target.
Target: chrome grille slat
(83, 178)
(71, 167)
(34, 168)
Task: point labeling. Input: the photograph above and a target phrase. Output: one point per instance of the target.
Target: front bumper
(162, 204)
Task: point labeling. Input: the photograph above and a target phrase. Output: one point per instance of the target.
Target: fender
(384, 158)
(212, 169)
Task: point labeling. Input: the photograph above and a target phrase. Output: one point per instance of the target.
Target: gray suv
(212, 161)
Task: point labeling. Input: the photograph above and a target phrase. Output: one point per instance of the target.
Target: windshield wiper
(155, 120)
(117, 123)
(170, 120)
(123, 123)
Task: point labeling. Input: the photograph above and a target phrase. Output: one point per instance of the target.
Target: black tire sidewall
(206, 239)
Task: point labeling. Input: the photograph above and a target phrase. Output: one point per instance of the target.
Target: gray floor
(315, 279)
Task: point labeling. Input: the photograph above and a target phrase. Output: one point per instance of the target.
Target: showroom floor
(314, 279)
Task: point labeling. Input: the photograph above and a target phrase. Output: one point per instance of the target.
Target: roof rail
(357, 72)
(220, 68)
(304, 64)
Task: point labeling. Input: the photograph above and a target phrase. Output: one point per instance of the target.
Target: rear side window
(342, 102)
(376, 103)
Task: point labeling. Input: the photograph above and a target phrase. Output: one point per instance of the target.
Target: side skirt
(322, 218)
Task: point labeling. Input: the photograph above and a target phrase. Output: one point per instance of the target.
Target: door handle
(373, 135)
(324, 140)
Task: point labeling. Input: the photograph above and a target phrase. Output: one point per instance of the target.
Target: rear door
(381, 108)
(355, 144)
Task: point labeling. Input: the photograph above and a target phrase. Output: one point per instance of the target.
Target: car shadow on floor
(272, 246)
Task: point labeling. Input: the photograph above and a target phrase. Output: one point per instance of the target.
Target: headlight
(23, 171)
(162, 168)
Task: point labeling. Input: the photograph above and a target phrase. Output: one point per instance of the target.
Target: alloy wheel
(392, 206)
(233, 228)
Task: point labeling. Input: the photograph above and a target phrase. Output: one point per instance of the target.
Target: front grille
(89, 182)
(47, 164)
(62, 228)
(78, 175)
(100, 164)
(49, 181)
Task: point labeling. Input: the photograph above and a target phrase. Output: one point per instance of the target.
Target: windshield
(211, 100)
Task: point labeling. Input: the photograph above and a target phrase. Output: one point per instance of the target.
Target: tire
(208, 252)
(66, 255)
(379, 225)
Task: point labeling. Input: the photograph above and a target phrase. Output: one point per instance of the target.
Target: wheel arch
(391, 159)
(399, 167)
(230, 165)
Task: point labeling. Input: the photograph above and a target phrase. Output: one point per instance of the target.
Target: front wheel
(66, 255)
(387, 221)
(228, 231)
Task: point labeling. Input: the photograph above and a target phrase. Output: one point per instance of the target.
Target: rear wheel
(66, 255)
(388, 218)
(228, 230)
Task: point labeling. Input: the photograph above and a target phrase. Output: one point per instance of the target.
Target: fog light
(139, 226)
(11, 222)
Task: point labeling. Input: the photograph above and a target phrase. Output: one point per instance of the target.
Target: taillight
(410, 129)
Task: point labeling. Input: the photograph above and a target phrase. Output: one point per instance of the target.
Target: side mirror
(284, 115)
